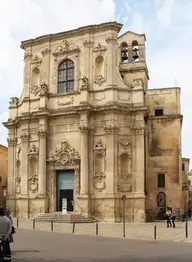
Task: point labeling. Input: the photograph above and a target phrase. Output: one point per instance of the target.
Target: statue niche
(33, 157)
(18, 177)
(124, 180)
(99, 166)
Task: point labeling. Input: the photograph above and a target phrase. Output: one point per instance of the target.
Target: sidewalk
(144, 231)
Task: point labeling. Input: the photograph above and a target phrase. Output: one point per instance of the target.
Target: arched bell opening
(135, 51)
(124, 53)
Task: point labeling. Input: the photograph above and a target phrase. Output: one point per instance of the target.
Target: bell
(124, 56)
(135, 54)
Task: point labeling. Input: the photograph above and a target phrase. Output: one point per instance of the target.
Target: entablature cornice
(165, 118)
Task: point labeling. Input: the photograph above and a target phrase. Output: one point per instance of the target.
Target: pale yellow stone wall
(185, 186)
(164, 148)
(100, 130)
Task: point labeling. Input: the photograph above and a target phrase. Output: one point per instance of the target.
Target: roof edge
(117, 26)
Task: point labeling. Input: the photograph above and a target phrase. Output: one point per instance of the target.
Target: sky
(166, 23)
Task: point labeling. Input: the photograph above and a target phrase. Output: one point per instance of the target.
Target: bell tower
(132, 60)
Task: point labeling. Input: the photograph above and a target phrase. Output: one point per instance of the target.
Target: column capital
(12, 141)
(83, 129)
(111, 128)
(138, 130)
(88, 43)
(24, 137)
(111, 39)
(42, 132)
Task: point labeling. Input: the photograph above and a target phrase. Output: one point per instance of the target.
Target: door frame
(57, 190)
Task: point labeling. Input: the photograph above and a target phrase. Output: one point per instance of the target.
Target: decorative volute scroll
(111, 128)
(12, 141)
(138, 84)
(111, 39)
(43, 89)
(64, 156)
(35, 90)
(99, 166)
(124, 166)
(66, 48)
(138, 129)
(99, 80)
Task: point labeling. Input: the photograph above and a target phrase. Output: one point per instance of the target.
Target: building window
(159, 112)
(183, 167)
(161, 180)
(66, 77)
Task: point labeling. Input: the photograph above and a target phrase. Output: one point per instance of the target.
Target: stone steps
(64, 218)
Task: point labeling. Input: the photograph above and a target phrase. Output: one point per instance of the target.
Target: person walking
(5, 231)
(173, 217)
(168, 215)
(8, 215)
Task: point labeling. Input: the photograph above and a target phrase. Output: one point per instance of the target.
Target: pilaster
(111, 60)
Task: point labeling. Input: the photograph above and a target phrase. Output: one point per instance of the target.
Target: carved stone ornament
(24, 137)
(65, 101)
(42, 132)
(99, 145)
(43, 89)
(33, 184)
(14, 101)
(66, 48)
(110, 128)
(83, 128)
(99, 48)
(33, 150)
(27, 56)
(111, 39)
(88, 43)
(12, 141)
(36, 60)
(18, 152)
(138, 84)
(99, 181)
(35, 90)
(125, 146)
(45, 51)
(138, 130)
(18, 185)
(124, 182)
(65, 155)
(85, 83)
(99, 80)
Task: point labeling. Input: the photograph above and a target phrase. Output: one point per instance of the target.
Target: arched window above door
(66, 77)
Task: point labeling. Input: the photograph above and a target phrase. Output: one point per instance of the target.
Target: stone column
(24, 164)
(83, 199)
(139, 193)
(10, 198)
(12, 142)
(42, 163)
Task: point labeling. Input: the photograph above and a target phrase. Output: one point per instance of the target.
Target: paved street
(39, 246)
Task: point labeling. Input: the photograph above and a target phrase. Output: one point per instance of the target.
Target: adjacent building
(3, 174)
(88, 130)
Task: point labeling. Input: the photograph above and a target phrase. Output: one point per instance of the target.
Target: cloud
(25, 19)
(164, 13)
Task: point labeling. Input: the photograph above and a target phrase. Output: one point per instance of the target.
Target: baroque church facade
(87, 129)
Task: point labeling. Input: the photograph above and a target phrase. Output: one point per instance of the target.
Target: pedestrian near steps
(173, 217)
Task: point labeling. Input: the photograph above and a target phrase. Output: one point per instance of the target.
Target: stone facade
(3, 173)
(86, 107)
(185, 185)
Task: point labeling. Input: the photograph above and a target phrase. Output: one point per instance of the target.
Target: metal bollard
(17, 222)
(155, 232)
(97, 229)
(73, 227)
(33, 223)
(51, 225)
(186, 229)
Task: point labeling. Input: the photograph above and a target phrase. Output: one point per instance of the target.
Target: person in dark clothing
(168, 215)
(5, 231)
